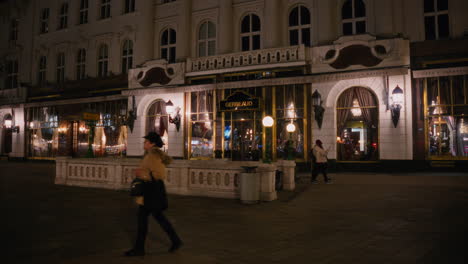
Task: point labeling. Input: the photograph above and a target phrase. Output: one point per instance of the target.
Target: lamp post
(318, 109)
(397, 104)
(290, 128)
(267, 123)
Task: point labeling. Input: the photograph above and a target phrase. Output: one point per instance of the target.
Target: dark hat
(154, 138)
(318, 142)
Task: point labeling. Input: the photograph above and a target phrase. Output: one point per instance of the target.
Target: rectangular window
(105, 9)
(429, 25)
(14, 30)
(293, 37)
(129, 6)
(44, 21)
(360, 27)
(84, 12)
(41, 77)
(63, 17)
(201, 117)
(60, 68)
(81, 65)
(11, 74)
(447, 127)
(348, 29)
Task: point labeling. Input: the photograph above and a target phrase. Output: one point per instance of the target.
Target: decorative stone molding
(156, 73)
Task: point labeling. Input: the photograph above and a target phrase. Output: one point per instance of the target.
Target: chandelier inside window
(356, 110)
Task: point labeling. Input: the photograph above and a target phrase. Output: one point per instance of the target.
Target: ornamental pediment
(156, 73)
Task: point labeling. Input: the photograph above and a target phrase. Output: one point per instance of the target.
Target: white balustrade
(215, 178)
(247, 58)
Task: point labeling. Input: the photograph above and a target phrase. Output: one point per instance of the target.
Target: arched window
(41, 74)
(250, 32)
(157, 119)
(299, 26)
(436, 19)
(81, 64)
(105, 9)
(207, 39)
(127, 56)
(168, 45)
(103, 60)
(60, 67)
(357, 125)
(353, 15)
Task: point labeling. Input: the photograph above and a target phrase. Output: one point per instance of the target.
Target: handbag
(155, 197)
(137, 187)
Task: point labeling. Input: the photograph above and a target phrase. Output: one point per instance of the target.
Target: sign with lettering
(239, 101)
(90, 116)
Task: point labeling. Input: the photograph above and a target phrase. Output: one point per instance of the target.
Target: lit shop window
(157, 120)
(201, 124)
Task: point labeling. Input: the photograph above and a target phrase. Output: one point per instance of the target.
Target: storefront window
(290, 102)
(201, 124)
(357, 123)
(447, 124)
(64, 130)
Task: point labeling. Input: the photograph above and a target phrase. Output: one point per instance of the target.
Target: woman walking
(152, 168)
(320, 162)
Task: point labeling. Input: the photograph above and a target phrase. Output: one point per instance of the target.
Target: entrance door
(242, 136)
(6, 141)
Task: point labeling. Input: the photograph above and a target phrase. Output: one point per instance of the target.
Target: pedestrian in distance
(320, 162)
(153, 168)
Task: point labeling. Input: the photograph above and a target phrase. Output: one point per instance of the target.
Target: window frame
(63, 16)
(127, 55)
(83, 12)
(354, 20)
(105, 9)
(42, 70)
(251, 34)
(129, 6)
(206, 40)
(81, 64)
(436, 13)
(44, 20)
(60, 68)
(14, 24)
(103, 60)
(11, 80)
(300, 27)
(168, 47)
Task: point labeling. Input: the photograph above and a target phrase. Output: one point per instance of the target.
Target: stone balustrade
(247, 58)
(211, 178)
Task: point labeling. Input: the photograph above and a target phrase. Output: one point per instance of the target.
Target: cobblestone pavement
(360, 218)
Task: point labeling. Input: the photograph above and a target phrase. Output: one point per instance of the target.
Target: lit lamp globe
(169, 107)
(291, 128)
(8, 123)
(268, 121)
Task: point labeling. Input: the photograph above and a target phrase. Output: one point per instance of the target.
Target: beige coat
(154, 161)
(320, 154)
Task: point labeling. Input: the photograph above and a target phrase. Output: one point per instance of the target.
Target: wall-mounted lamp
(397, 104)
(9, 125)
(174, 114)
(318, 109)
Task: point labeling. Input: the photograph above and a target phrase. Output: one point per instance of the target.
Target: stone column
(225, 29)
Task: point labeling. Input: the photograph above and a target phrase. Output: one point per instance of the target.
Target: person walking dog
(320, 162)
(153, 168)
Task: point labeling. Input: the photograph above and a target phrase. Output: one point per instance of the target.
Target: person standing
(153, 166)
(320, 162)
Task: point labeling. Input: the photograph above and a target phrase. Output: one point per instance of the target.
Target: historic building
(379, 82)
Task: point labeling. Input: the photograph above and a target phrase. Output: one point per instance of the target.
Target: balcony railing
(247, 58)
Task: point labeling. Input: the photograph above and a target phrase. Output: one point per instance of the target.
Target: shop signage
(90, 116)
(239, 101)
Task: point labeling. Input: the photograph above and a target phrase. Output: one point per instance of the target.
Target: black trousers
(320, 168)
(143, 214)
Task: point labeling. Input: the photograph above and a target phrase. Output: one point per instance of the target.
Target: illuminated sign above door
(239, 101)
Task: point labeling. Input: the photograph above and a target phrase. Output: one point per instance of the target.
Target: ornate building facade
(378, 82)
